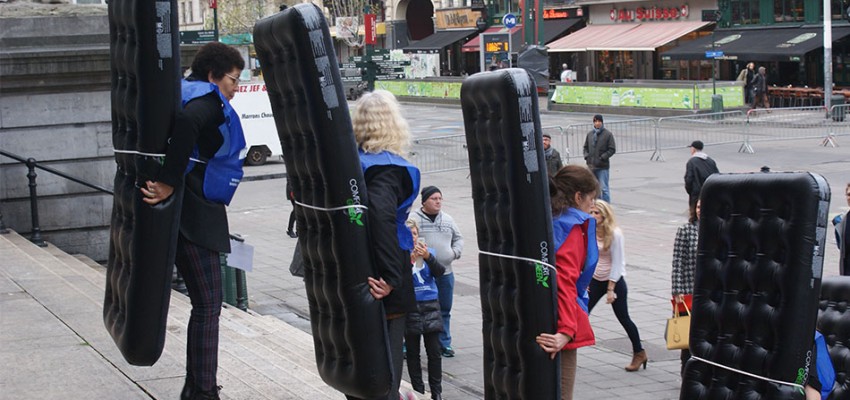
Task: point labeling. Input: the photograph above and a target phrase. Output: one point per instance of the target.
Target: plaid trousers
(201, 269)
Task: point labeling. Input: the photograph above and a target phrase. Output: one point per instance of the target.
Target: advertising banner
(439, 90)
(692, 98)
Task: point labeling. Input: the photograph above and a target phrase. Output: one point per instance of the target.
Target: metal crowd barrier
(440, 153)
(631, 136)
(715, 128)
(652, 135)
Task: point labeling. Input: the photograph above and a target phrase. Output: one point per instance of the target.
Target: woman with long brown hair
(573, 190)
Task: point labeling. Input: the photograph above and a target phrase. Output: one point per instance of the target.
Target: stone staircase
(51, 330)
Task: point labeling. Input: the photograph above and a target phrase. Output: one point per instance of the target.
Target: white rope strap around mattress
(333, 208)
(531, 260)
(139, 153)
(800, 387)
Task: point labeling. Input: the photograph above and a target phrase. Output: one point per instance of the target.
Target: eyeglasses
(235, 79)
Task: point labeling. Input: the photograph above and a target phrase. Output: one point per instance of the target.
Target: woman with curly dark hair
(573, 191)
(208, 132)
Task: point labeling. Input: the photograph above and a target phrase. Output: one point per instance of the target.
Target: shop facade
(625, 40)
(784, 36)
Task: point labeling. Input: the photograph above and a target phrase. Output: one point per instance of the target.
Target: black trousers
(433, 349)
(201, 269)
(598, 289)
(395, 329)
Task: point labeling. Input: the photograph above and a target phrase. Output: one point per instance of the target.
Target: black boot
(188, 390)
(208, 395)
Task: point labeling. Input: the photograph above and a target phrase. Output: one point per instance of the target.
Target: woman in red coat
(573, 190)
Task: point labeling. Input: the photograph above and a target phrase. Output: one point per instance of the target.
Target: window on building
(788, 11)
(745, 12)
(838, 9)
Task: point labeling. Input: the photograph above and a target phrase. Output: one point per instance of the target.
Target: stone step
(259, 357)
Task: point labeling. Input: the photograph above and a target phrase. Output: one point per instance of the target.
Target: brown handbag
(678, 330)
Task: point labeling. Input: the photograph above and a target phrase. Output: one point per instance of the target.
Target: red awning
(625, 37)
(473, 44)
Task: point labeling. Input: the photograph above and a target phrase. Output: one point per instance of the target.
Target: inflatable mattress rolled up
(834, 324)
(145, 66)
(513, 219)
(322, 163)
(758, 277)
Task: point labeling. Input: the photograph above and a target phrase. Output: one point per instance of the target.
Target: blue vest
(424, 283)
(368, 160)
(562, 225)
(825, 370)
(224, 169)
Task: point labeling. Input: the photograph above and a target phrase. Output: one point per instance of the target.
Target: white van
(255, 112)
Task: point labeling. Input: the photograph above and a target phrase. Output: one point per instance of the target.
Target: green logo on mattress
(354, 215)
(542, 274)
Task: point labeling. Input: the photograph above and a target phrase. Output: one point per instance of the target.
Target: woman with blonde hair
(610, 277)
(393, 183)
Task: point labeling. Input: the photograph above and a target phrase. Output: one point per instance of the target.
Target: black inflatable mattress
(758, 276)
(312, 118)
(513, 220)
(145, 66)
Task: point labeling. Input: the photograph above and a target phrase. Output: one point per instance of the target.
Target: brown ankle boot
(638, 359)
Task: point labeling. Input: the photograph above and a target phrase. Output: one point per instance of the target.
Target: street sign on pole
(713, 54)
(509, 21)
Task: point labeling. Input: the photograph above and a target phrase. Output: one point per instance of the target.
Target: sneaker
(448, 352)
(407, 395)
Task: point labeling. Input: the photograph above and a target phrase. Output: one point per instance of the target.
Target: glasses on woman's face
(235, 79)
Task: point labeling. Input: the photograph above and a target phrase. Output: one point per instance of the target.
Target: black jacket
(759, 84)
(598, 154)
(553, 162)
(202, 222)
(697, 170)
(427, 317)
(388, 187)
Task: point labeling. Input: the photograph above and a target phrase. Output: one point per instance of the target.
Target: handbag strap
(676, 309)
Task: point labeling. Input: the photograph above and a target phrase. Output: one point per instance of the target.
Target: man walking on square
(697, 170)
(443, 236)
(599, 146)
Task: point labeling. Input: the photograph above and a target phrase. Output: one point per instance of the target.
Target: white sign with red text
(255, 112)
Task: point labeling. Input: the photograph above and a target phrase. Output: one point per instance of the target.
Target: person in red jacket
(573, 191)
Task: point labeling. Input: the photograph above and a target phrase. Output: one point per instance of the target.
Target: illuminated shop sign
(560, 13)
(649, 13)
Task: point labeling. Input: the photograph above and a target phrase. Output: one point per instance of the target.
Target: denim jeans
(599, 289)
(446, 287)
(602, 176)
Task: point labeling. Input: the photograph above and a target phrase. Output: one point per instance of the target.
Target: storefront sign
(371, 32)
(560, 13)
(456, 18)
(649, 14)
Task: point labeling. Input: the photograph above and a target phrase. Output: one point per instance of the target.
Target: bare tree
(238, 16)
(347, 15)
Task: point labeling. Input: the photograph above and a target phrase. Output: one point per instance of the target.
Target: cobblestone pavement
(650, 203)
